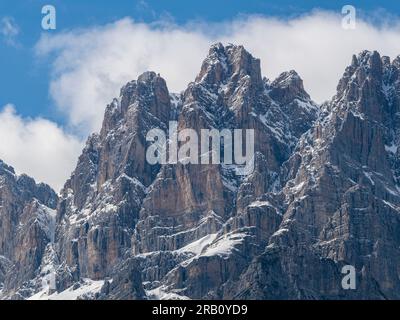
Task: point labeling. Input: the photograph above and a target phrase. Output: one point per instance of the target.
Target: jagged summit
(288, 86)
(229, 63)
(148, 92)
(5, 167)
(366, 69)
(41, 191)
(369, 87)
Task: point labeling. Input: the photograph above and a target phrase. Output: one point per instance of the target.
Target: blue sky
(54, 85)
(24, 78)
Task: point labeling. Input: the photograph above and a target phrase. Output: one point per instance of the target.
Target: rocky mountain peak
(148, 77)
(368, 87)
(365, 70)
(26, 186)
(26, 219)
(396, 62)
(229, 63)
(148, 92)
(4, 168)
(288, 86)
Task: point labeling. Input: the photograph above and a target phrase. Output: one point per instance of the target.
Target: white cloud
(90, 65)
(37, 147)
(9, 30)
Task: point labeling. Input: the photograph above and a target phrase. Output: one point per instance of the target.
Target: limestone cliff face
(209, 205)
(27, 212)
(342, 203)
(100, 204)
(324, 193)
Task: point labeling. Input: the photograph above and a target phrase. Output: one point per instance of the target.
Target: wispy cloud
(37, 147)
(9, 30)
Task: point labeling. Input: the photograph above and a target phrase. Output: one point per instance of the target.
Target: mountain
(323, 193)
(342, 202)
(27, 224)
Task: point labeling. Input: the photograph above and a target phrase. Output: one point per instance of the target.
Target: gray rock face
(126, 283)
(190, 207)
(27, 212)
(100, 204)
(324, 193)
(342, 203)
